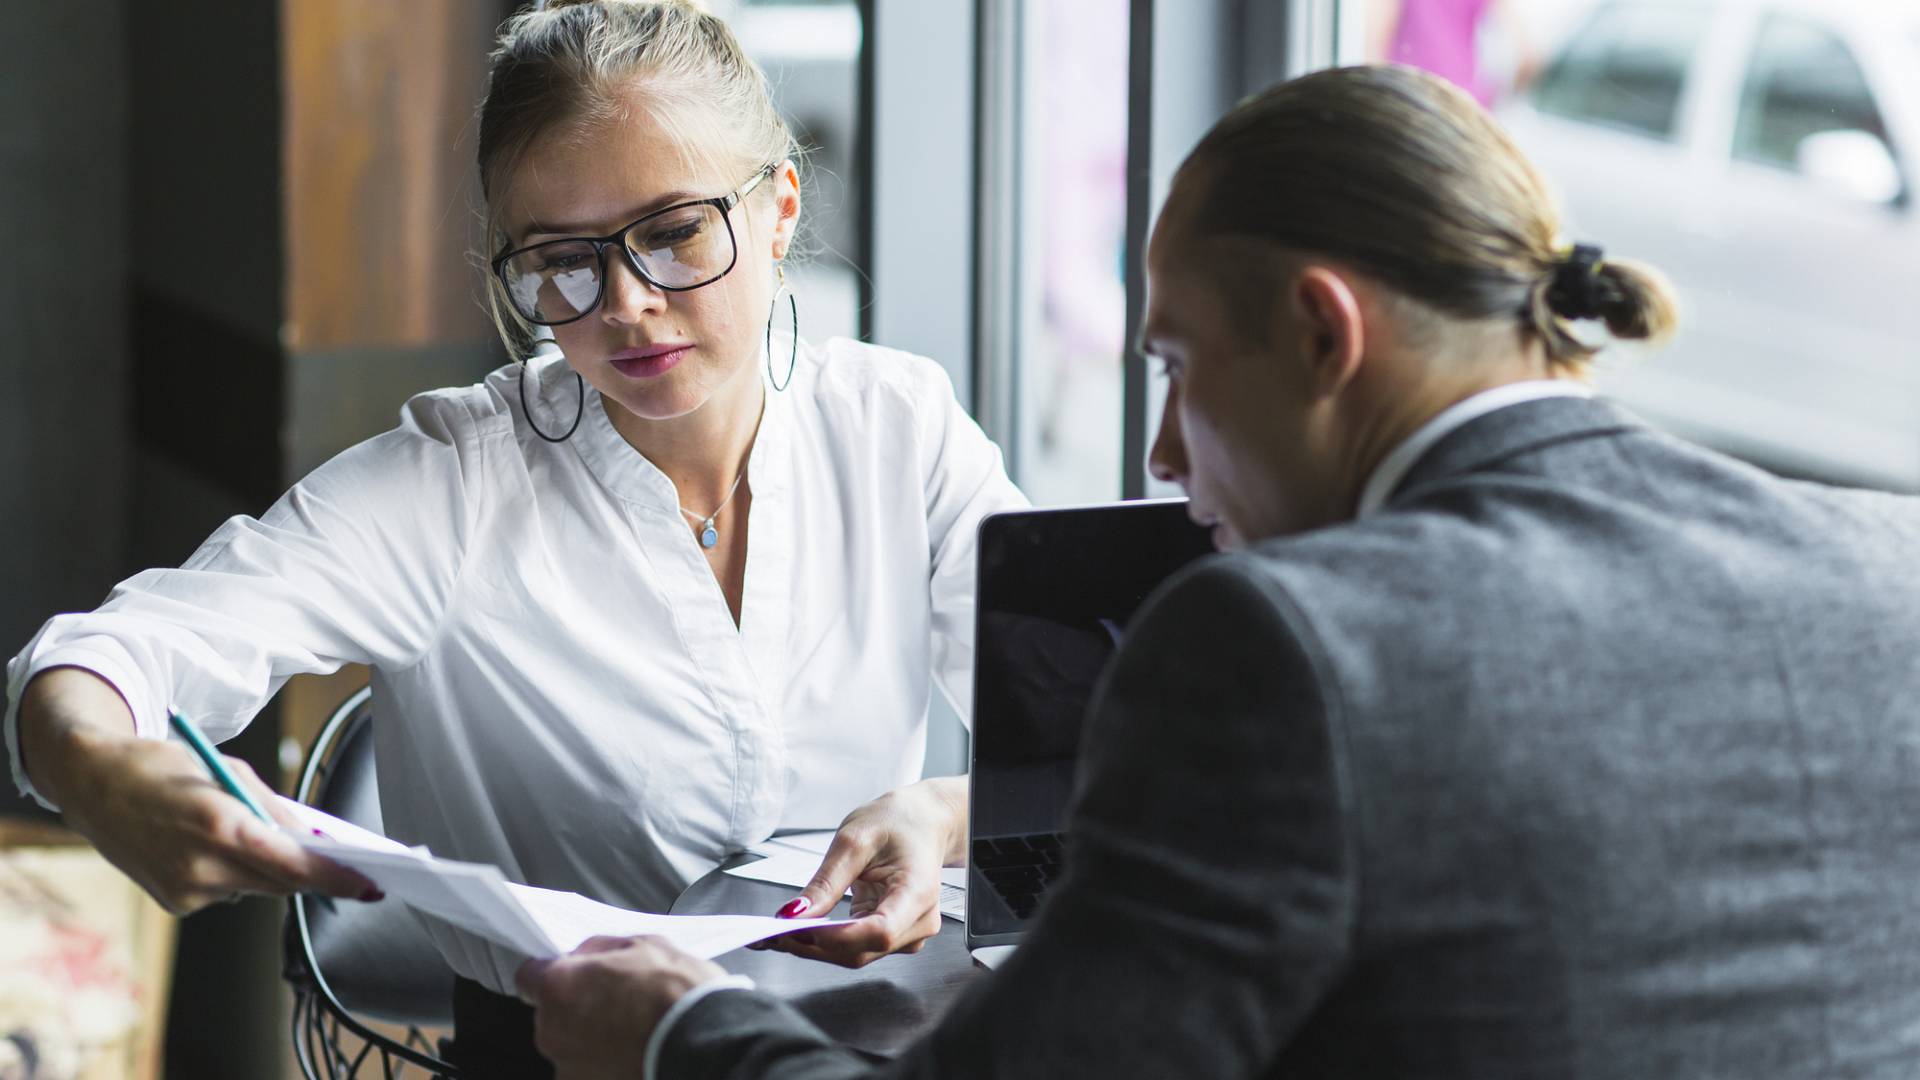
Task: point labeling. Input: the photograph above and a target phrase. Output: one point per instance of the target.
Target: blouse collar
(625, 471)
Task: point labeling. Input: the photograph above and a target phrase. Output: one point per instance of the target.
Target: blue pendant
(708, 537)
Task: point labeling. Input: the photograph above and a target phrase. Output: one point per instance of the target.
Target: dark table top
(880, 1008)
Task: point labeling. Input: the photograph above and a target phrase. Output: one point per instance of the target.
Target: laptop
(1056, 589)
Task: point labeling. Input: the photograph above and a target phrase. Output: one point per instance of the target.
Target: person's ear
(1327, 317)
(786, 203)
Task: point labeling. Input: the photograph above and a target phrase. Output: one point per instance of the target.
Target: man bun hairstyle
(1631, 299)
(1404, 177)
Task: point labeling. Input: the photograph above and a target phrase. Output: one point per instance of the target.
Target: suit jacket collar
(1486, 441)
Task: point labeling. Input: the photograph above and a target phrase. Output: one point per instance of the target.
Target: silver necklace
(709, 536)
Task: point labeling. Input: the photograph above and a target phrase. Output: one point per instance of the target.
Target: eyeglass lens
(684, 248)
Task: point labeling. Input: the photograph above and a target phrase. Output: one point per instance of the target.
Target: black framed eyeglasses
(677, 249)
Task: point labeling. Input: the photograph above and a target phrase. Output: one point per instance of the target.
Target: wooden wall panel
(378, 105)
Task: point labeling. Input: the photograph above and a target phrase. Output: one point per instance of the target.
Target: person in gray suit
(1510, 738)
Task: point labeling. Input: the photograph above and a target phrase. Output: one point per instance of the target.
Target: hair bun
(1634, 301)
(1576, 290)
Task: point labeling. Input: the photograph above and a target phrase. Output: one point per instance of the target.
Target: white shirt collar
(1393, 468)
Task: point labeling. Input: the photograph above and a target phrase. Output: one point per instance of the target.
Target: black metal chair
(349, 963)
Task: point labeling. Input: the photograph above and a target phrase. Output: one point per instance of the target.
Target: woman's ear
(786, 203)
(1330, 324)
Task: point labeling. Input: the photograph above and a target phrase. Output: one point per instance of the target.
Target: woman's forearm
(64, 713)
(951, 793)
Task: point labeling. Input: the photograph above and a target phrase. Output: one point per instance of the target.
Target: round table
(880, 1008)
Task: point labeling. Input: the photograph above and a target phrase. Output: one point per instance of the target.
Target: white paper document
(792, 860)
(538, 923)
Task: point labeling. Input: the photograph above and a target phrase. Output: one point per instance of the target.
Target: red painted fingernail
(795, 908)
(371, 895)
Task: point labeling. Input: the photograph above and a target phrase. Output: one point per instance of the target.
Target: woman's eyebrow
(593, 229)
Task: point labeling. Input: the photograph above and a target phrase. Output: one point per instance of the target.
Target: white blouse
(558, 685)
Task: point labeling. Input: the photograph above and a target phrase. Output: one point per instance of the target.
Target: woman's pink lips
(636, 365)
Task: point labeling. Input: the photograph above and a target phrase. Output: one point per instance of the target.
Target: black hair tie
(1576, 290)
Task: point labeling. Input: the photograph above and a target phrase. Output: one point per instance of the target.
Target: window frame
(965, 310)
(917, 111)
(934, 131)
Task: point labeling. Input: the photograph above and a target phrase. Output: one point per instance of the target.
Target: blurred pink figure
(1443, 36)
(1084, 150)
(1080, 131)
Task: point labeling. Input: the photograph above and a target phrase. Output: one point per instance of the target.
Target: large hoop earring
(580, 399)
(793, 353)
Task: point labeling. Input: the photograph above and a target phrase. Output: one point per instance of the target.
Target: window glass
(1074, 120)
(1796, 337)
(1803, 81)
(1626, 67)
(810, 51)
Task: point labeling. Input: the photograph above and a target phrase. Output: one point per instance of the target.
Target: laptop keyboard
(1020, 867)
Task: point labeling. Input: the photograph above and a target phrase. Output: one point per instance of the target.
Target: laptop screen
(1056, 591)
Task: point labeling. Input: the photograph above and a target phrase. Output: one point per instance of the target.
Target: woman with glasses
(673, 582)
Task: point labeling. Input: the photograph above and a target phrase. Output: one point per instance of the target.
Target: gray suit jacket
(1593, 755)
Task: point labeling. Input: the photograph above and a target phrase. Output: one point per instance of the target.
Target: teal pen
(204, 751)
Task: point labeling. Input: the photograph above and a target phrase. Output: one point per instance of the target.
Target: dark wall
(140, 293)
(204, 299)
(234, 243)
(205, 287)
(63, 229)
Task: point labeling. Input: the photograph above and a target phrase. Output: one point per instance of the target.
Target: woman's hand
(151, 808)
(890, 852)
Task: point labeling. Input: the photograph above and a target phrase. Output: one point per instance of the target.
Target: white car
(1764, 154)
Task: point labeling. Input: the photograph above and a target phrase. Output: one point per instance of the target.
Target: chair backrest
(377, 958)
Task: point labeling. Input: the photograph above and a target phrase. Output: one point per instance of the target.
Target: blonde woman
(677, 581)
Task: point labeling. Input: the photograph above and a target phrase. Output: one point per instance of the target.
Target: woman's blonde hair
(1402, 176)
(573, 63)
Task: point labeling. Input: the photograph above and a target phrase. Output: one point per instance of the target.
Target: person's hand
(595, 1009)
(158, 816)
(890, 852)
(152, 810)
